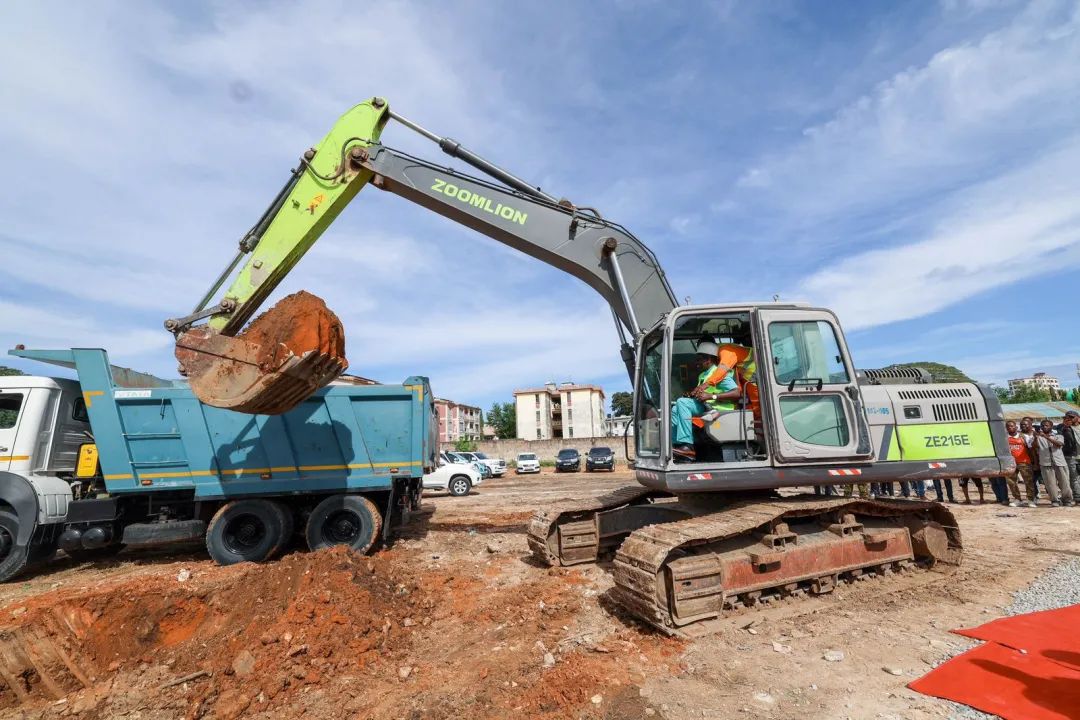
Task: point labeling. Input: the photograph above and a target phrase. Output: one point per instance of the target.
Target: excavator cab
(808, 411)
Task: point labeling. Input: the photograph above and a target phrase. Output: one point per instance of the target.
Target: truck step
(164, 532)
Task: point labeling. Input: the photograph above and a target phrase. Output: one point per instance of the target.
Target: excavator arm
(298, 346)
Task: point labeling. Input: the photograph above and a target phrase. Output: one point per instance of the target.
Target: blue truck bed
(344, 437)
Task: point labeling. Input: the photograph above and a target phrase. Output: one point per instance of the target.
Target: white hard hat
(706, 347)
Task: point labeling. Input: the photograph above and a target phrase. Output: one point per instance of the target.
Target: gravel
(1055, 588)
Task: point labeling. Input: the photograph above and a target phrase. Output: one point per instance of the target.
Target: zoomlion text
(476, 200)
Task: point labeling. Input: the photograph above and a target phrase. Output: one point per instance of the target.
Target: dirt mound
(302, 323)
(331, 633)
(276, 626)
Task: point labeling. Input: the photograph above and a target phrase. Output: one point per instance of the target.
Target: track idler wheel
(286, 354)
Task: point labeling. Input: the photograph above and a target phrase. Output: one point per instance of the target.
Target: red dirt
(271, 635)
(302, 323)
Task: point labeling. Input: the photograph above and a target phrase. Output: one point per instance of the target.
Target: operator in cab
(714, 391)
(740, 359)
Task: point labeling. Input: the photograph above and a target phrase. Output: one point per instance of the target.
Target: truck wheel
(244, 531)
(12, 557)
(351, 520)
(459, 486)
(288, 527)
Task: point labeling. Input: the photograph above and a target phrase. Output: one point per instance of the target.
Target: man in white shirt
(1055, 471)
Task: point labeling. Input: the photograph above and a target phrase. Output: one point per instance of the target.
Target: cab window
(649, 400)
(815, 419)
(78, 411)
(10, 404)
(806, 351)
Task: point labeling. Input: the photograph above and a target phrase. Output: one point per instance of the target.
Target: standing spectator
(1001, 493)
(882, 489)
(916, 486)
(964, 486)
(864, 490)
(1027, 431)
(948, 490)
(1018, 446)
(1052, 462)
(1070, 433)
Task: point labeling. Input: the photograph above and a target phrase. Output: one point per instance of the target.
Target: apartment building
(458, 421)
(564, 410)
(1039, 381)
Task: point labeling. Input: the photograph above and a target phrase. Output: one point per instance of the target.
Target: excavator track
(567, 534)
(679, 576)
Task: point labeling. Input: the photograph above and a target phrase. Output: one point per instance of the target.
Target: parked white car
(455, 478)
(527, 463)
(458, 458)
(496, 465)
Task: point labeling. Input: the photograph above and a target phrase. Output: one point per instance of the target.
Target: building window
(537, 416)
(537, 399)
(571, 431)
(537, 433)
(569, 416)
(569, 399)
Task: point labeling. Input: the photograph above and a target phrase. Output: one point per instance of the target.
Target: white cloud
(929, 127)
(1022, 225)
(38, 327)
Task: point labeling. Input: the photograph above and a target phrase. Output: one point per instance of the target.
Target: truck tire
(288, 527)
(12, 557)
(351, 520)
(459, 486)
(244, 531)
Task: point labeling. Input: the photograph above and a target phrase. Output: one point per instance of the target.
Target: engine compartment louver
(936, 394)
(955, 412)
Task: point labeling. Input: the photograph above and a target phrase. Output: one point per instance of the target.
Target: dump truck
(119, 458)
(706, 529)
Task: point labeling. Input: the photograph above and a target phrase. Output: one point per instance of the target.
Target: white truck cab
(43, 423)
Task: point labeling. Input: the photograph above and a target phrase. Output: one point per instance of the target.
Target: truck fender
(16, 491)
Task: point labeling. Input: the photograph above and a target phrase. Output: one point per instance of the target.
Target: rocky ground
(455, 620)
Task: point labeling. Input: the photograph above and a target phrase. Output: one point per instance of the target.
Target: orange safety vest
(740, 359)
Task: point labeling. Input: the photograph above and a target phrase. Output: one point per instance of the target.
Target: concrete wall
(547, 449)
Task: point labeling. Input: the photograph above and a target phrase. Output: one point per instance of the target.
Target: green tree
(8, 417)
(465, 445)
(1002, 394)
(1029, 394)
(622, 403)
(940, 371)
(1074, 396)
(503, 418)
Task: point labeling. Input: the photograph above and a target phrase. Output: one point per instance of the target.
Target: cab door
(814, 406)
(11, 404)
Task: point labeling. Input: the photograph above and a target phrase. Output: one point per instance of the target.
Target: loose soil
(455, 620)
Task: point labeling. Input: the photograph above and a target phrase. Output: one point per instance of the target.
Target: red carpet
(1029, 668)
(1053, 634)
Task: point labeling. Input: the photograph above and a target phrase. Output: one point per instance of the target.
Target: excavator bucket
(282, 357)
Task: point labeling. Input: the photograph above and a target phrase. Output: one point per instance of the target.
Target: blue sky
(915, 166)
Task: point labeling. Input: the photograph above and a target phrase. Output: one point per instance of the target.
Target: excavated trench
(60, 643)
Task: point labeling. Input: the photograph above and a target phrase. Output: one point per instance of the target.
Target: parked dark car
(600, 458)
(568, 460)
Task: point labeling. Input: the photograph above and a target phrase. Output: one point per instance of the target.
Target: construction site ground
(454, 620)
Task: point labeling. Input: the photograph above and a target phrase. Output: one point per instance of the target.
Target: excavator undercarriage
(681, 562)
